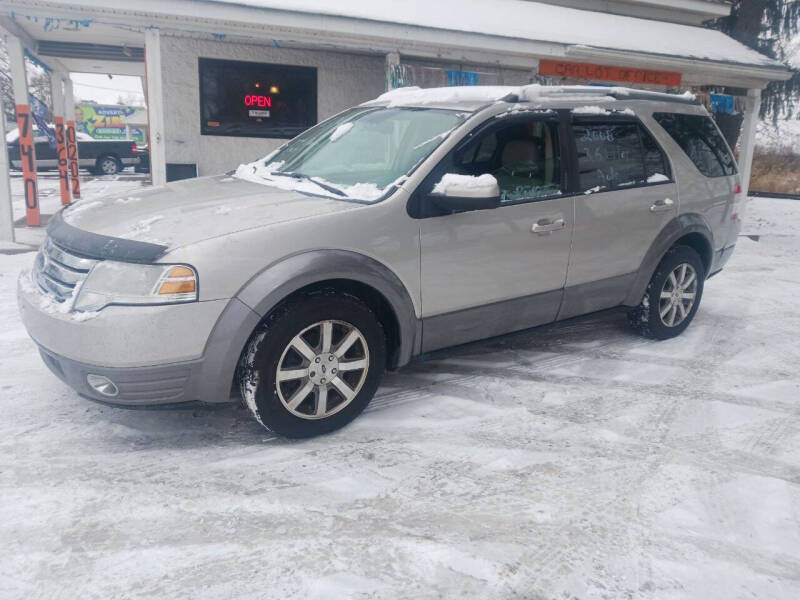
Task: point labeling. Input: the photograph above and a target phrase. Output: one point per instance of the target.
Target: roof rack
(529, 93)
(534, 91)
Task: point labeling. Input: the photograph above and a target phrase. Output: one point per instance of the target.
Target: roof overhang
(104, 21)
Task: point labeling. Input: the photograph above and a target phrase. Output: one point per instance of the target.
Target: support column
(155, 106)
(56, 83)
(748, 137)
(27, 152)
(72, 140)
(6, 210)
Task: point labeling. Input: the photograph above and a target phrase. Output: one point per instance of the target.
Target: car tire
(672, 296)
(107, 165)
(307, 340)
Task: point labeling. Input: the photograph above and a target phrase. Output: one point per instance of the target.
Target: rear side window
(701, 141)
(617, 155)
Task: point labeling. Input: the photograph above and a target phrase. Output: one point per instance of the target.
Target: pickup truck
(102, 157)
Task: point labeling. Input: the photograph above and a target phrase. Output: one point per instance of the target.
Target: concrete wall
(343, 81)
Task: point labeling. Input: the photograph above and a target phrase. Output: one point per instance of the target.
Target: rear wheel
(672, 296)
(107, 165)
(314, 365)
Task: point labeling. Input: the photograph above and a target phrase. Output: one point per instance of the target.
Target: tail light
(134, 148)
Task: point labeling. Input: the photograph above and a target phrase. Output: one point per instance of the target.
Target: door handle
(543, 226)
(662, 205)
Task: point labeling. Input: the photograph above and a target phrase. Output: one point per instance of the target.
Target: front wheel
(672, 296)
(314, 365)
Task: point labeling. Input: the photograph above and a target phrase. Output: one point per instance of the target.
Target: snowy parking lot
(570, 461)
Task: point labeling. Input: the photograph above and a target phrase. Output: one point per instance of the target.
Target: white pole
(751, 109)
(6, 211)
(155, 106)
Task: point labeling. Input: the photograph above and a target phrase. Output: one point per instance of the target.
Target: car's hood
(192, 210)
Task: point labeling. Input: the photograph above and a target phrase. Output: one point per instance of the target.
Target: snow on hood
(188, 211)
(264, 173)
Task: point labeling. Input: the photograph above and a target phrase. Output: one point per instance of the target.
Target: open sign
(259, 100)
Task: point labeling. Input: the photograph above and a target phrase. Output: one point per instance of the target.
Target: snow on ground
(92, 186)
(781, 136)
(571, 461)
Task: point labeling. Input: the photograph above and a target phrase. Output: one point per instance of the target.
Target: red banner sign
(61, 148)
(573, 70)
(27, 155)
(72, 158)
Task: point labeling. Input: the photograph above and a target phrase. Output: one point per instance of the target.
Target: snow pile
(265, 174)
(599, 110)
(782, 136)
(657, 178)
(78, 208)
(341, 130)
(415, 96)
(591, 110)
(467, 186)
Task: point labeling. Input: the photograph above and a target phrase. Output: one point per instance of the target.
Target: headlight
(111, 282)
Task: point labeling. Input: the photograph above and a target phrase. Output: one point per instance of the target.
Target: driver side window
(523, 156)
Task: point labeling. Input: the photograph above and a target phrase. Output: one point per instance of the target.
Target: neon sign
(259, 100)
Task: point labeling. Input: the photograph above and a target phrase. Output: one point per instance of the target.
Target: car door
(627, 197)
(488, 272)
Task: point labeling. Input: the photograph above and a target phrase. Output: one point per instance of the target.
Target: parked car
(102, 157)
(417, 221)
(143, 166)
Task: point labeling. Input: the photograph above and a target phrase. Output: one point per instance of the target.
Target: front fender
(278, 281)
(673, 231)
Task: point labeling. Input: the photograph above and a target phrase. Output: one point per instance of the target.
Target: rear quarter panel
(709, 197)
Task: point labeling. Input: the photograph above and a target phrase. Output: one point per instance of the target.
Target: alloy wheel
(322, 369)
(678, 295)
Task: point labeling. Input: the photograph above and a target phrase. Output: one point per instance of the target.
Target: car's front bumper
(152, 354)
(135, 386)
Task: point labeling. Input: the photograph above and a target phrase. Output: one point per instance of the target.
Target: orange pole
(27, 155)
(61, 147)
(72, 156)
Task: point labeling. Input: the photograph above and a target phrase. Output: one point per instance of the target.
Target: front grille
(58, 272)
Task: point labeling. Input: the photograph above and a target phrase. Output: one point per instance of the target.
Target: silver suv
(419, 220)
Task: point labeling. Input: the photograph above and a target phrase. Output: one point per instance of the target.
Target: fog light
(102, 385)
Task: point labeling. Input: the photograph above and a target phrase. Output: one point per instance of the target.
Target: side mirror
(466, 192)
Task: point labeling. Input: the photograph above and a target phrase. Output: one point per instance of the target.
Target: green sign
(107, 122)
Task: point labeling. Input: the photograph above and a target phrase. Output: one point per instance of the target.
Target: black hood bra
(102, 247)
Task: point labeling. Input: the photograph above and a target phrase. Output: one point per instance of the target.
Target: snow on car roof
(476, 96)
(536, 21)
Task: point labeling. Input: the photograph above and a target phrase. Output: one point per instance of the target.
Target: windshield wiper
(324, 186)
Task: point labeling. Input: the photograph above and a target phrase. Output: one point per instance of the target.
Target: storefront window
(248, 99)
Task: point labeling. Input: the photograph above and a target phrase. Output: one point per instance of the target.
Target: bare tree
(6, 87)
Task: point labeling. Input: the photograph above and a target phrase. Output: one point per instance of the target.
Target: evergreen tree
(767, 26)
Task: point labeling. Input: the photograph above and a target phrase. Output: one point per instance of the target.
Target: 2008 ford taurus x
(420, 220)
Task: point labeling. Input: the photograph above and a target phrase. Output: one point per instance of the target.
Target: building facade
(227, 81)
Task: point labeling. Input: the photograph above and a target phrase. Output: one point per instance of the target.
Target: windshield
(359, 154)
